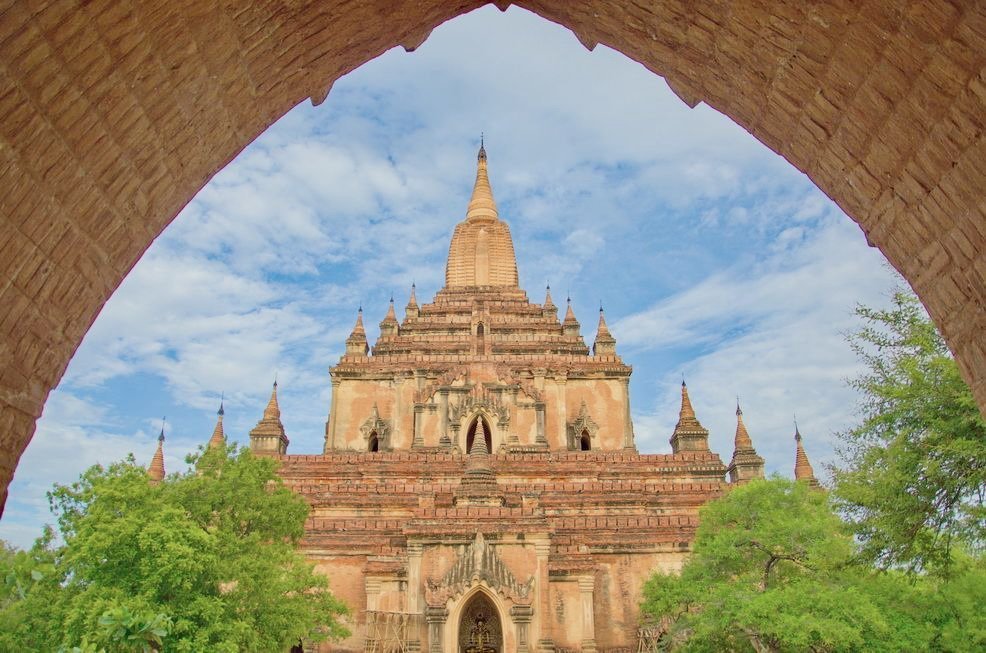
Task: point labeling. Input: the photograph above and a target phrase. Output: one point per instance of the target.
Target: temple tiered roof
(481, 312)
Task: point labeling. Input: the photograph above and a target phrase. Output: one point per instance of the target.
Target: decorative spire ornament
(605, 344)
(802, 466)
(218, 438)
(745, 464)
(156, 469)
(689, 434)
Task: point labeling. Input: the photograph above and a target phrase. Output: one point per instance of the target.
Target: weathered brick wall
(113, 114)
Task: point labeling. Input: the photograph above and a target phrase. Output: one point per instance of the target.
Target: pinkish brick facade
(480, 485)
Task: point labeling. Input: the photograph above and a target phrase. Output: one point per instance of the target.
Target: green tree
(912, 478)
(204, 561)
(775, 569)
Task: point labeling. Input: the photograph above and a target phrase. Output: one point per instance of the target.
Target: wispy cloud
(712, 255)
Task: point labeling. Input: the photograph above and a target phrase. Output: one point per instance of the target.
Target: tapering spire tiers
(389, 326)
(482, 205)
(548, 309)
(570, 326)
(689, 434)
(686, 412)
(356, 344)
(218, 438)
(742, 438)
(479, 448)
(273, 410)
(268, 435)
(605, 344)
(745, 464)
(156, 469)
(482, 250)
(411, 310)
(802, 467)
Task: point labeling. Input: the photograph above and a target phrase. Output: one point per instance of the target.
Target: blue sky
(713, 257)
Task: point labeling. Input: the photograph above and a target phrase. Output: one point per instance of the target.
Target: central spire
(482, 206)
(482, 251)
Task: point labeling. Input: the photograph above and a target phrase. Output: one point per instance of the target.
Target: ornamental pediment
(478, 562)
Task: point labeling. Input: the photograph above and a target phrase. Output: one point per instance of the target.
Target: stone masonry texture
(114, 114)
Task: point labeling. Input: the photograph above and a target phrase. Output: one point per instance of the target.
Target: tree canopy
(205, 560)
(891, 560)
(775, 569)
(912, 480)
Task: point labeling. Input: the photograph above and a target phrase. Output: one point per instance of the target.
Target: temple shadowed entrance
(480, 630)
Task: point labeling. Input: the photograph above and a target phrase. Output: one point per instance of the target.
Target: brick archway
(112, 116)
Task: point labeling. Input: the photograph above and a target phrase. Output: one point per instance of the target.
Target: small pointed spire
(356, 344)
(218, 438)
(686, 412)
(547, 297)
(802, 466)
(745, 464)
(273, 410)
(689, 434)
(569, 326)
(482, 206)
(358, 327)
(268, 435)
(569, 313)
(742, 439)
(389, 326)
(156, 469)
(602, 328)
(605, 343)
(411, 310)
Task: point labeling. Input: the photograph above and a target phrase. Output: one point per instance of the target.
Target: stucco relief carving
(375, 424)
(508, 375)
(478, 562)
(468, 405)
(583, 423)
(446, 378)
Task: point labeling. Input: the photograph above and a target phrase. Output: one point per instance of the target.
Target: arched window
(374, 444)
(471, 435)
(585, 443)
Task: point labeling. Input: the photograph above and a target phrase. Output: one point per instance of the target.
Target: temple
(480, 488)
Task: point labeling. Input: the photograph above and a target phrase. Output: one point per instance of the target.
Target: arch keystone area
(113, 116)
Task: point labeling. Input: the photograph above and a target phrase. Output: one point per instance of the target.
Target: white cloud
(613, 189)
(773, 336)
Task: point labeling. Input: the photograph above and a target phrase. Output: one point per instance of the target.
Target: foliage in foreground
(775, 569)
(913, 476)
(205, 561)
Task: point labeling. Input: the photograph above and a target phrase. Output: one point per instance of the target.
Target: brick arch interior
(113, 115)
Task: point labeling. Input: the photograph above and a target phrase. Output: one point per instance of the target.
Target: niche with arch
(471, 434)
(480, 630)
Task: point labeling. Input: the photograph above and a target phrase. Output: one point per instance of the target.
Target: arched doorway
(480, 630)
(374, 442)
(585, 442)
(471, 435)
